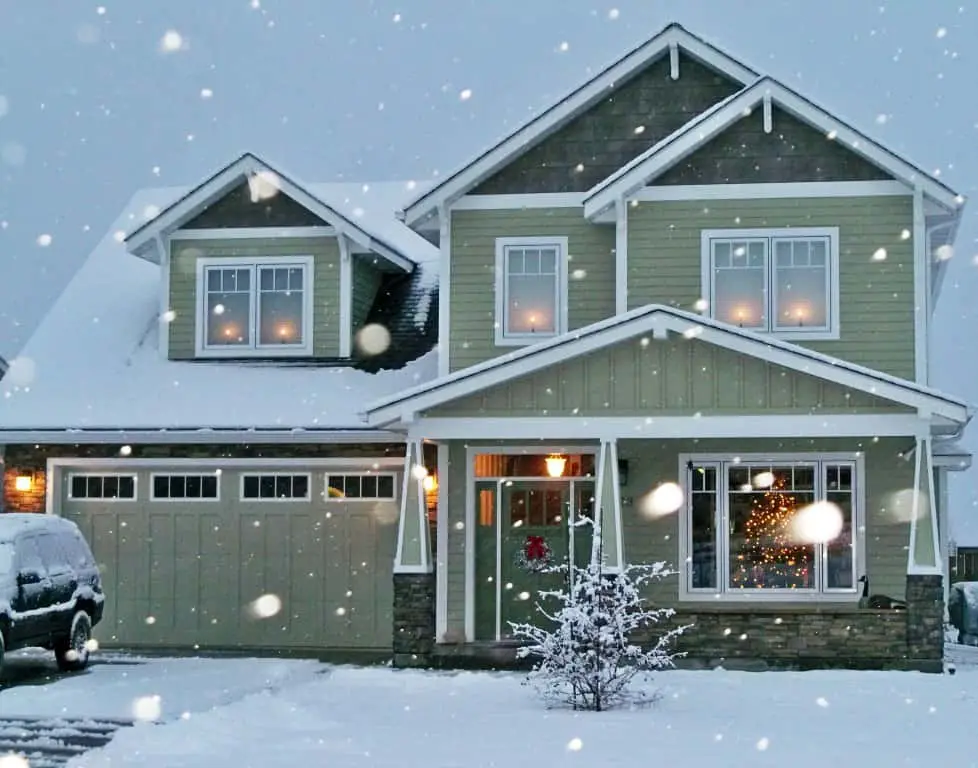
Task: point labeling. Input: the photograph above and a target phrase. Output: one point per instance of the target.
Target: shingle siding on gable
(236, 209)
(792, 152)
(603, 138)
(326, 286)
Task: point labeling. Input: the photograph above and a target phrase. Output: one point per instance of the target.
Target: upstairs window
(783, 281)
(254, 307)
(531, 289)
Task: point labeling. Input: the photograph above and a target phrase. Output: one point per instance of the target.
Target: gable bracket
(768, 114)
(674, 60)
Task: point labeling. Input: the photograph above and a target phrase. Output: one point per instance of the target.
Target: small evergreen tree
(588, 659)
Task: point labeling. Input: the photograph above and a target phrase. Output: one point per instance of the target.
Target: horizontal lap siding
(590, 268)
(645, 377)
(650, 539)
(876, 297)
(326, 285)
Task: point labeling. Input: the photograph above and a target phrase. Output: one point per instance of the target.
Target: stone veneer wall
(414, 619)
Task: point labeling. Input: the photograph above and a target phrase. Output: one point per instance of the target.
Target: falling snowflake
(206, 93)
(944, 252)
(373, 339)
(100, 10)
(575, 744)
(171, 41)
(563, 47)
(763, 744)
(265, 606)
(4, 106)
(44, 240)
(941, 32)
(147, 708)
(879, 254)
(466, 94)
(613, 14)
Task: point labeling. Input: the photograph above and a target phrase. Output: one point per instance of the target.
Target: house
(685, 299)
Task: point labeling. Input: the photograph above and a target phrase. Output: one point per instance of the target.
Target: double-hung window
(780, 281)
(531, 289)
(773, 528)
(254, 306)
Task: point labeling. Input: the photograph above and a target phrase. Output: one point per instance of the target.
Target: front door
(535, 534)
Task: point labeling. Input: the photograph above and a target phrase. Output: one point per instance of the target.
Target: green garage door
(239, 558)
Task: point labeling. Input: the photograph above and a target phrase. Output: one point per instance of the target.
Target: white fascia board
(472, 172)
(712, 122)
(776, 190)
(252, 233)
(654, 319)
(224, 180)
(142, 436)
(519, 201)
(668, 427)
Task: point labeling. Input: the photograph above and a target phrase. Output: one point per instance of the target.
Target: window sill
(773, 601)
(260, 353)
(524, 341)
(780, 609)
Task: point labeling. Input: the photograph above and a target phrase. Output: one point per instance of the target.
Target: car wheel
(72, 653)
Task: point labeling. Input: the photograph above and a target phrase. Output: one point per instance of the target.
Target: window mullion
(821, 495)
(770, 279)
(253, 301)
(723, 527)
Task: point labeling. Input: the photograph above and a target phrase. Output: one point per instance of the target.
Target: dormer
(257, 266)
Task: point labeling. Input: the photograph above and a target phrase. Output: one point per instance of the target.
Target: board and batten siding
(649, 539)
(326, 285)
(876, 298)
(590, 269)
(674, 377)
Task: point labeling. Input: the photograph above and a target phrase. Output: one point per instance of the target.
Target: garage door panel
(196, 568)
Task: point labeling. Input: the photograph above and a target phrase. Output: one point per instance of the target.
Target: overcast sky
(91, 109)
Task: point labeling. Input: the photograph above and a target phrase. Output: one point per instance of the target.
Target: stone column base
(414, 619)
(925, 621)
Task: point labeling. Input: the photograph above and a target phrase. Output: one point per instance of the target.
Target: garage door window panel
(360, 487)
(275, 486)
(101, 487)
(186, 488)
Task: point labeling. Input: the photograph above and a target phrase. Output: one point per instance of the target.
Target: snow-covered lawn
(126, 687)
(355, 718)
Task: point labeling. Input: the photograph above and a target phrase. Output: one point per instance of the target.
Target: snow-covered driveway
(355, 718)
(153, 689)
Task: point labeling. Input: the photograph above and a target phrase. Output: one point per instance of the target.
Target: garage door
(239, 558)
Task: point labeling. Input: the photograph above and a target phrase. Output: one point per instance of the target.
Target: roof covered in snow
(94, 362)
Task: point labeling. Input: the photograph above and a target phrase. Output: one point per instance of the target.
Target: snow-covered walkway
(355, 718)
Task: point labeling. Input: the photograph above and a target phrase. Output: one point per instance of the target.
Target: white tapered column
(925, 545)
(413, 546)
(607, 547)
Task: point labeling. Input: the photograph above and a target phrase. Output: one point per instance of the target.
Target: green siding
(677, 377)
(647, 539)
(326, 285)
(366, 280)
(591, 249)
(875, 297)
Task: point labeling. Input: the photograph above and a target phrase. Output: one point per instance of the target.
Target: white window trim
(522, 340)
(849, 595)
(104, 500)
(832, 294)
(255, 349)
(186, 499)
(275, 499)
(359, 500)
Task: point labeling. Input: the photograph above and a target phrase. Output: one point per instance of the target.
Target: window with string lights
(254, 307)
(783, 528)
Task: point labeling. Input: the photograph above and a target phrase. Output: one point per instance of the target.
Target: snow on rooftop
(94, 363)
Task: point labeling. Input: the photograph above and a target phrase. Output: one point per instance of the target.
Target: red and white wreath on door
(535, 555)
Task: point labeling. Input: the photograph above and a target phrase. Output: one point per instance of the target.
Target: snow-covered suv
(50, 589)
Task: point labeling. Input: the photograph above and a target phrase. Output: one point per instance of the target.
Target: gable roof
(368, 236)
(571, 105)
(765, 92)
(92, 371)
(656, 319)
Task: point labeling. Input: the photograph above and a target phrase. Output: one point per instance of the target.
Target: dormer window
(779, 281)
(254, 307)
(531, 289)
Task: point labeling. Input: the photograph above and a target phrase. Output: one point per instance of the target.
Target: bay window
(781, 281)
(531, 289)
(254, 307)
(781, 528)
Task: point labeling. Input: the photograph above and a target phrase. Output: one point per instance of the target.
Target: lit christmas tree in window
(768, 557)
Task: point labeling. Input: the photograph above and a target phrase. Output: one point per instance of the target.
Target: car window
(52, 553)
(77, 550)
(28, 556)
(6, 558)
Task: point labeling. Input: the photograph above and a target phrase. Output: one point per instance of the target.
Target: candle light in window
(285, 332)
(742, 314)
(533, 322)
(800, 313)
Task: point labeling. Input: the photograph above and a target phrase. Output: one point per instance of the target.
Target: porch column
(414, 581)
(925, 571)
(607, 547)
(413, 546)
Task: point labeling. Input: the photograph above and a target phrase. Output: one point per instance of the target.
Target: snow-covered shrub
(588, 656)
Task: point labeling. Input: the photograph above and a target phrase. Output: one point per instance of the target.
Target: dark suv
(50, 590)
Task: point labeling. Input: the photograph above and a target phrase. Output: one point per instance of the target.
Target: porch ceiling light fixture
(23, 483)
(555, 464)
